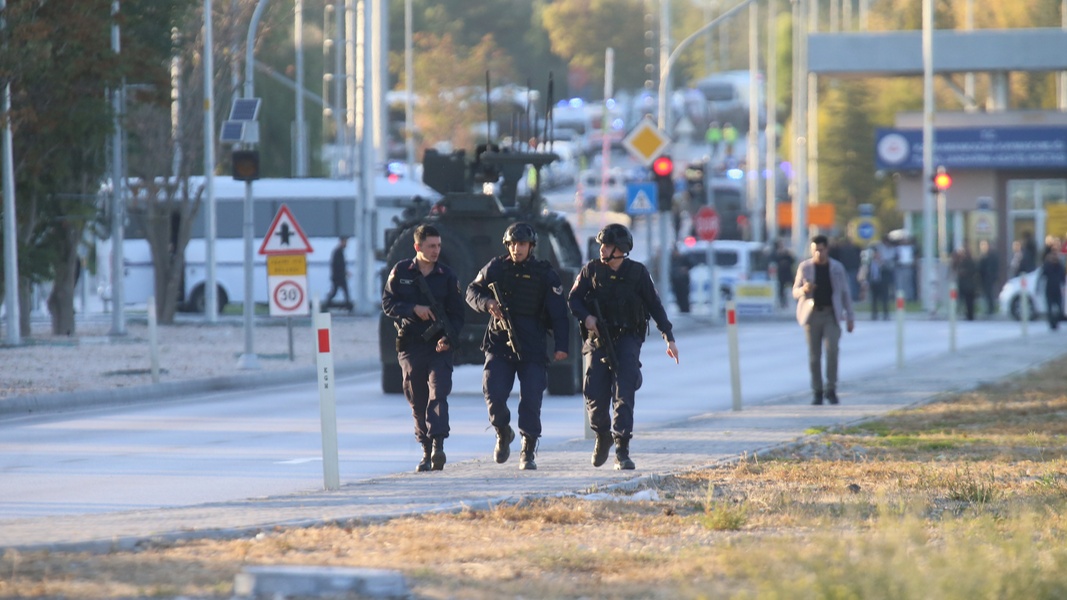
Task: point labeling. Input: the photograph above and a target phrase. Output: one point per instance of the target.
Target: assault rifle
(603, 338)
(509, 325)
(441, 323)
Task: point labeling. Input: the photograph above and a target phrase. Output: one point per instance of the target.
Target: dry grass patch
(959, 499)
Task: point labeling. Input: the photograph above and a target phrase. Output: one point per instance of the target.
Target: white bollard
(900, 329)
(735, 358)
(953, 305)
(327, 399)
(153, 339)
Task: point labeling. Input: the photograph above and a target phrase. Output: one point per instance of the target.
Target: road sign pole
(248, 359)
(327, 399)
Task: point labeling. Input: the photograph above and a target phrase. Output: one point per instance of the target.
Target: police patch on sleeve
(558, 290)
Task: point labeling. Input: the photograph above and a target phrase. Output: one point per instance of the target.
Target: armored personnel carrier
(480, 199)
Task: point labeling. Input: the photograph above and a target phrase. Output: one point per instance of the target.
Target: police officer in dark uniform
(426, 363)
(622, 292)
(532, 297)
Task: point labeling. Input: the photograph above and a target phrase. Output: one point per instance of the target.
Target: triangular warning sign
(642, 203)
(285, 235)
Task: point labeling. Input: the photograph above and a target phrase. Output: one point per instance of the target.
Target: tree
(62, 119)
(580, 31)
(452, 79)
(60, 123)
(846, 140)
(167, 150)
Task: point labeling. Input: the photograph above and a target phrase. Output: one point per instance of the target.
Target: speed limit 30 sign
(287, 284)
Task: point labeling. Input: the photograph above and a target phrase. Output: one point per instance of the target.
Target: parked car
(1011, 296)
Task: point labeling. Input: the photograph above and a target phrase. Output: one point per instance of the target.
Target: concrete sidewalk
(703, 440)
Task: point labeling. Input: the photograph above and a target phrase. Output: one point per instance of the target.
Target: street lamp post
(248, 359)
(11, 262)
(118, 208)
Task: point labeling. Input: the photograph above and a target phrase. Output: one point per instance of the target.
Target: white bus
(323, 208)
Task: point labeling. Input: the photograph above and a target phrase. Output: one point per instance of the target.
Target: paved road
(228, 462)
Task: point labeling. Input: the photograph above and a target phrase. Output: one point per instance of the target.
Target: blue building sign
(974, 148)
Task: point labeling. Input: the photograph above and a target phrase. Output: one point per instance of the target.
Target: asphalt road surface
(232, 446)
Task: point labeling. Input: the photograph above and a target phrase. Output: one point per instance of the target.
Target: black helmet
(616, 235)
(520, 232)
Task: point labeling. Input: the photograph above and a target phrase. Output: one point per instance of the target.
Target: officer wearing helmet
(530, 297)
(621, 291)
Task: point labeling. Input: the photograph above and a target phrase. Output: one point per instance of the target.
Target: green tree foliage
(60, 72)
(581, 30)
(846, 140)
(452, 78)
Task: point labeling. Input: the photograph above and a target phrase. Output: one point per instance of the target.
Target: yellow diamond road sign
(646, 142)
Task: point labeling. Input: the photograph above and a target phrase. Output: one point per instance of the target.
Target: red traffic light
(942, 180)
(663, 166)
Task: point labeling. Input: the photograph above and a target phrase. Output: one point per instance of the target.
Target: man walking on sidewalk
(823, 301)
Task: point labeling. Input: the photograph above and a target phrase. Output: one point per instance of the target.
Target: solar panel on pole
(245, 109)
(232, 132)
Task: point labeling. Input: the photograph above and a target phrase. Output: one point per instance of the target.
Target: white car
(735, 260)
(1011, 295)
(590, 180)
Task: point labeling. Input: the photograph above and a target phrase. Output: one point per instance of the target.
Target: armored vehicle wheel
(392, 379)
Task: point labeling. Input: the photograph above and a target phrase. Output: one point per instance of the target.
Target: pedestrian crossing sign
(641, 198)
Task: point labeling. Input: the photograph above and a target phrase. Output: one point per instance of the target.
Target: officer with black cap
(621, 292)
(524, 296)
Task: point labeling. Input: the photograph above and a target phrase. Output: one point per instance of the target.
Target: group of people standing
(612, 298)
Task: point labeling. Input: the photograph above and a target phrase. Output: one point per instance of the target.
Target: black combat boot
(526, 456)
(600, 450)
(437, 454)
(425, 464)
(504, 436)
(622, 454)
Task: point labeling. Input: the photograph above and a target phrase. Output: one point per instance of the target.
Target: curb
(170, 390)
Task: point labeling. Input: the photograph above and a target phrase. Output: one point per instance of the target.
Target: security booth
(1008, 176)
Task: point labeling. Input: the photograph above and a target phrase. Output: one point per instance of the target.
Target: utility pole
(249, 360)
(800, 128)
(770, 134)
(929, 266)
(11, 257)
(211, 303)
(118, 208)
(301, 155)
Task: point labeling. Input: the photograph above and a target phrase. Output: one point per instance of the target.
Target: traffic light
(662, 171)
(694, 182)
(940, 181)
(245, 165)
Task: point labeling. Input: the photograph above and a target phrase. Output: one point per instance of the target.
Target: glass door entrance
(1028, 200)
